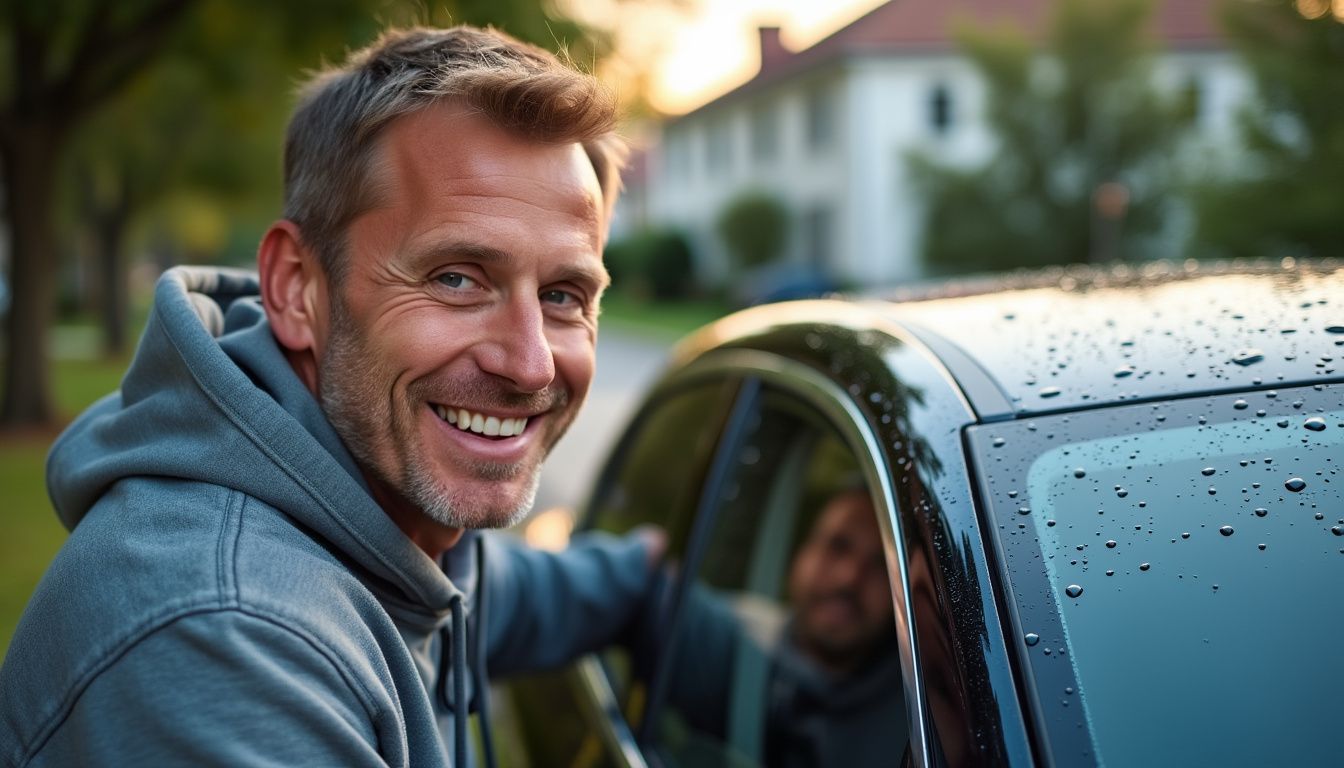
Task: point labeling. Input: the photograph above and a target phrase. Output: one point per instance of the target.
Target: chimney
(772, 50)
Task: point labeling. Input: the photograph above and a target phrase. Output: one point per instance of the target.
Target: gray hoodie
(231, 594)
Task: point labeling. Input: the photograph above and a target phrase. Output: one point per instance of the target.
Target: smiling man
(275, 553)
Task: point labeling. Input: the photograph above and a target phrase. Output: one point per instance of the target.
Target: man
(274, 556)
(819, 686)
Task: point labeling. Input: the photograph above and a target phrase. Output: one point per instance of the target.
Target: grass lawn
(31, 533)
(657, 320)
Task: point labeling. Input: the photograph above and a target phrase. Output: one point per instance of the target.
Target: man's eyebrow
(461, 250)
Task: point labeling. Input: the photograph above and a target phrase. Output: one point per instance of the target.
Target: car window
(784, 647)
(1174, 569)
(653, 478)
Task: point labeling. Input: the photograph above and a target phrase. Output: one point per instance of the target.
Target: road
(626, 365)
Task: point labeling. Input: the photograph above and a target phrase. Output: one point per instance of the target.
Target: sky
(695, 50)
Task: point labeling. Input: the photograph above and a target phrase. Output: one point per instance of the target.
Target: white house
(827, 128)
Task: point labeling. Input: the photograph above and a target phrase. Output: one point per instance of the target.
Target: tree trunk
(114, 287)
(29, 151)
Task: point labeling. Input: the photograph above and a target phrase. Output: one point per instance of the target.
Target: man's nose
(518, 349)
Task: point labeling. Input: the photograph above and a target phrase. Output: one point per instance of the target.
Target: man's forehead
(448, 144)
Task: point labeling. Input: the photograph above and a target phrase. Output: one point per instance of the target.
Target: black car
(1110, 507)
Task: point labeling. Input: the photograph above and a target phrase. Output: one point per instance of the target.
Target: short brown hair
(519, 87)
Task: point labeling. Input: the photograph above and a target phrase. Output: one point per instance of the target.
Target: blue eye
(558, 297)
(455, 280)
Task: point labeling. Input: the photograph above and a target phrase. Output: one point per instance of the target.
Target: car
(1110, 508)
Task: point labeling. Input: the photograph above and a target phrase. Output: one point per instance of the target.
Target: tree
(1082, 136)
(69, 60)
(64, 62)
(754, 226)
(1286, 194)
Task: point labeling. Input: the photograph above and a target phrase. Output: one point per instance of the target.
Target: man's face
(838, 584)
(461, 340)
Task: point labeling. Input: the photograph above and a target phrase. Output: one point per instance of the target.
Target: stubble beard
(356, 402)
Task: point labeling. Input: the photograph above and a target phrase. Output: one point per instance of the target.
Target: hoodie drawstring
(453, 650)
(478, 657)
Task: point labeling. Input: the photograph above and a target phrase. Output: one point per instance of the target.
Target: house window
(820, 118)
(720, 151)
(818, 236)
(1193, 99)
(764, 133)
(940, 109)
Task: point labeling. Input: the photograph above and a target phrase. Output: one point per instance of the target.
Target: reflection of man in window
(811, 684)
(835, 695)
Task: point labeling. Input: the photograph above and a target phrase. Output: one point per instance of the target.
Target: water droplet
(1295, 484)
(1031, 638)
(1261, 511)
(1123, 371)
(1241, 405)
(1079, 472)
(1144, 566)
(1122, 493)
(1213, 491)
(1049, 523)
(1207, 471)
(1334, 329)
(1110, 573)
(1226, 530)
(1282, 422)
(1338, 530)
(1320, 516)
(1073, 590)
(1260, 547)
(1110, 544)
(998, 442)
(1185, 535)
(1049, 391)
(1024, 510)
(1315, 423)
(1248, 356)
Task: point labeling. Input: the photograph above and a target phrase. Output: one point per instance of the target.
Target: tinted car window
(1170, 563)
(784, 650)
(656, 479)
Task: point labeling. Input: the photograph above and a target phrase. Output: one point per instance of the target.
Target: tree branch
(105, 62)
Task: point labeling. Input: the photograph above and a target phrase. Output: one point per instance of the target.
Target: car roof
(1067, 339)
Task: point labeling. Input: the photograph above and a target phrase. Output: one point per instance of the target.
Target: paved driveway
(626, 365)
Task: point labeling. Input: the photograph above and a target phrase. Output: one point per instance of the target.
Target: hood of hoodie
(210, 396)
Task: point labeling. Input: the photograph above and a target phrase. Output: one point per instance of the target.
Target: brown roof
(916, 27)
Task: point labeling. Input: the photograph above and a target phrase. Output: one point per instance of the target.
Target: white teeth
(490, 426)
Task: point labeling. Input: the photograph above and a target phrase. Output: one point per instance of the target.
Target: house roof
(920, 27)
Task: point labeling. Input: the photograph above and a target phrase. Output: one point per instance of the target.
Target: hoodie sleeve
(546, 608)
(218, 688)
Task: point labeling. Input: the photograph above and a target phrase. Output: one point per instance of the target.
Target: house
(827, 129)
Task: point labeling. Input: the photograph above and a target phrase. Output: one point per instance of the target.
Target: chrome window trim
(836, 405)
(600, 700)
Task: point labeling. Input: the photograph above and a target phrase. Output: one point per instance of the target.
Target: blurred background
(783, 148)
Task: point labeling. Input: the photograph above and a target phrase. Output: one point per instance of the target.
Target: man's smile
(481, 423)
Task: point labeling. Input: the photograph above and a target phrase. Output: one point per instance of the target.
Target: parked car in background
(1109, 501)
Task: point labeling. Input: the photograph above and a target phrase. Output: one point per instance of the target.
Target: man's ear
(293, 289)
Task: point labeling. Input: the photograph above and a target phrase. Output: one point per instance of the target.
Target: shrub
(754, 227)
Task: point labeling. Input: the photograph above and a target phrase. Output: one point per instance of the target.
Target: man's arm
(221, 688)
(546, 608)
